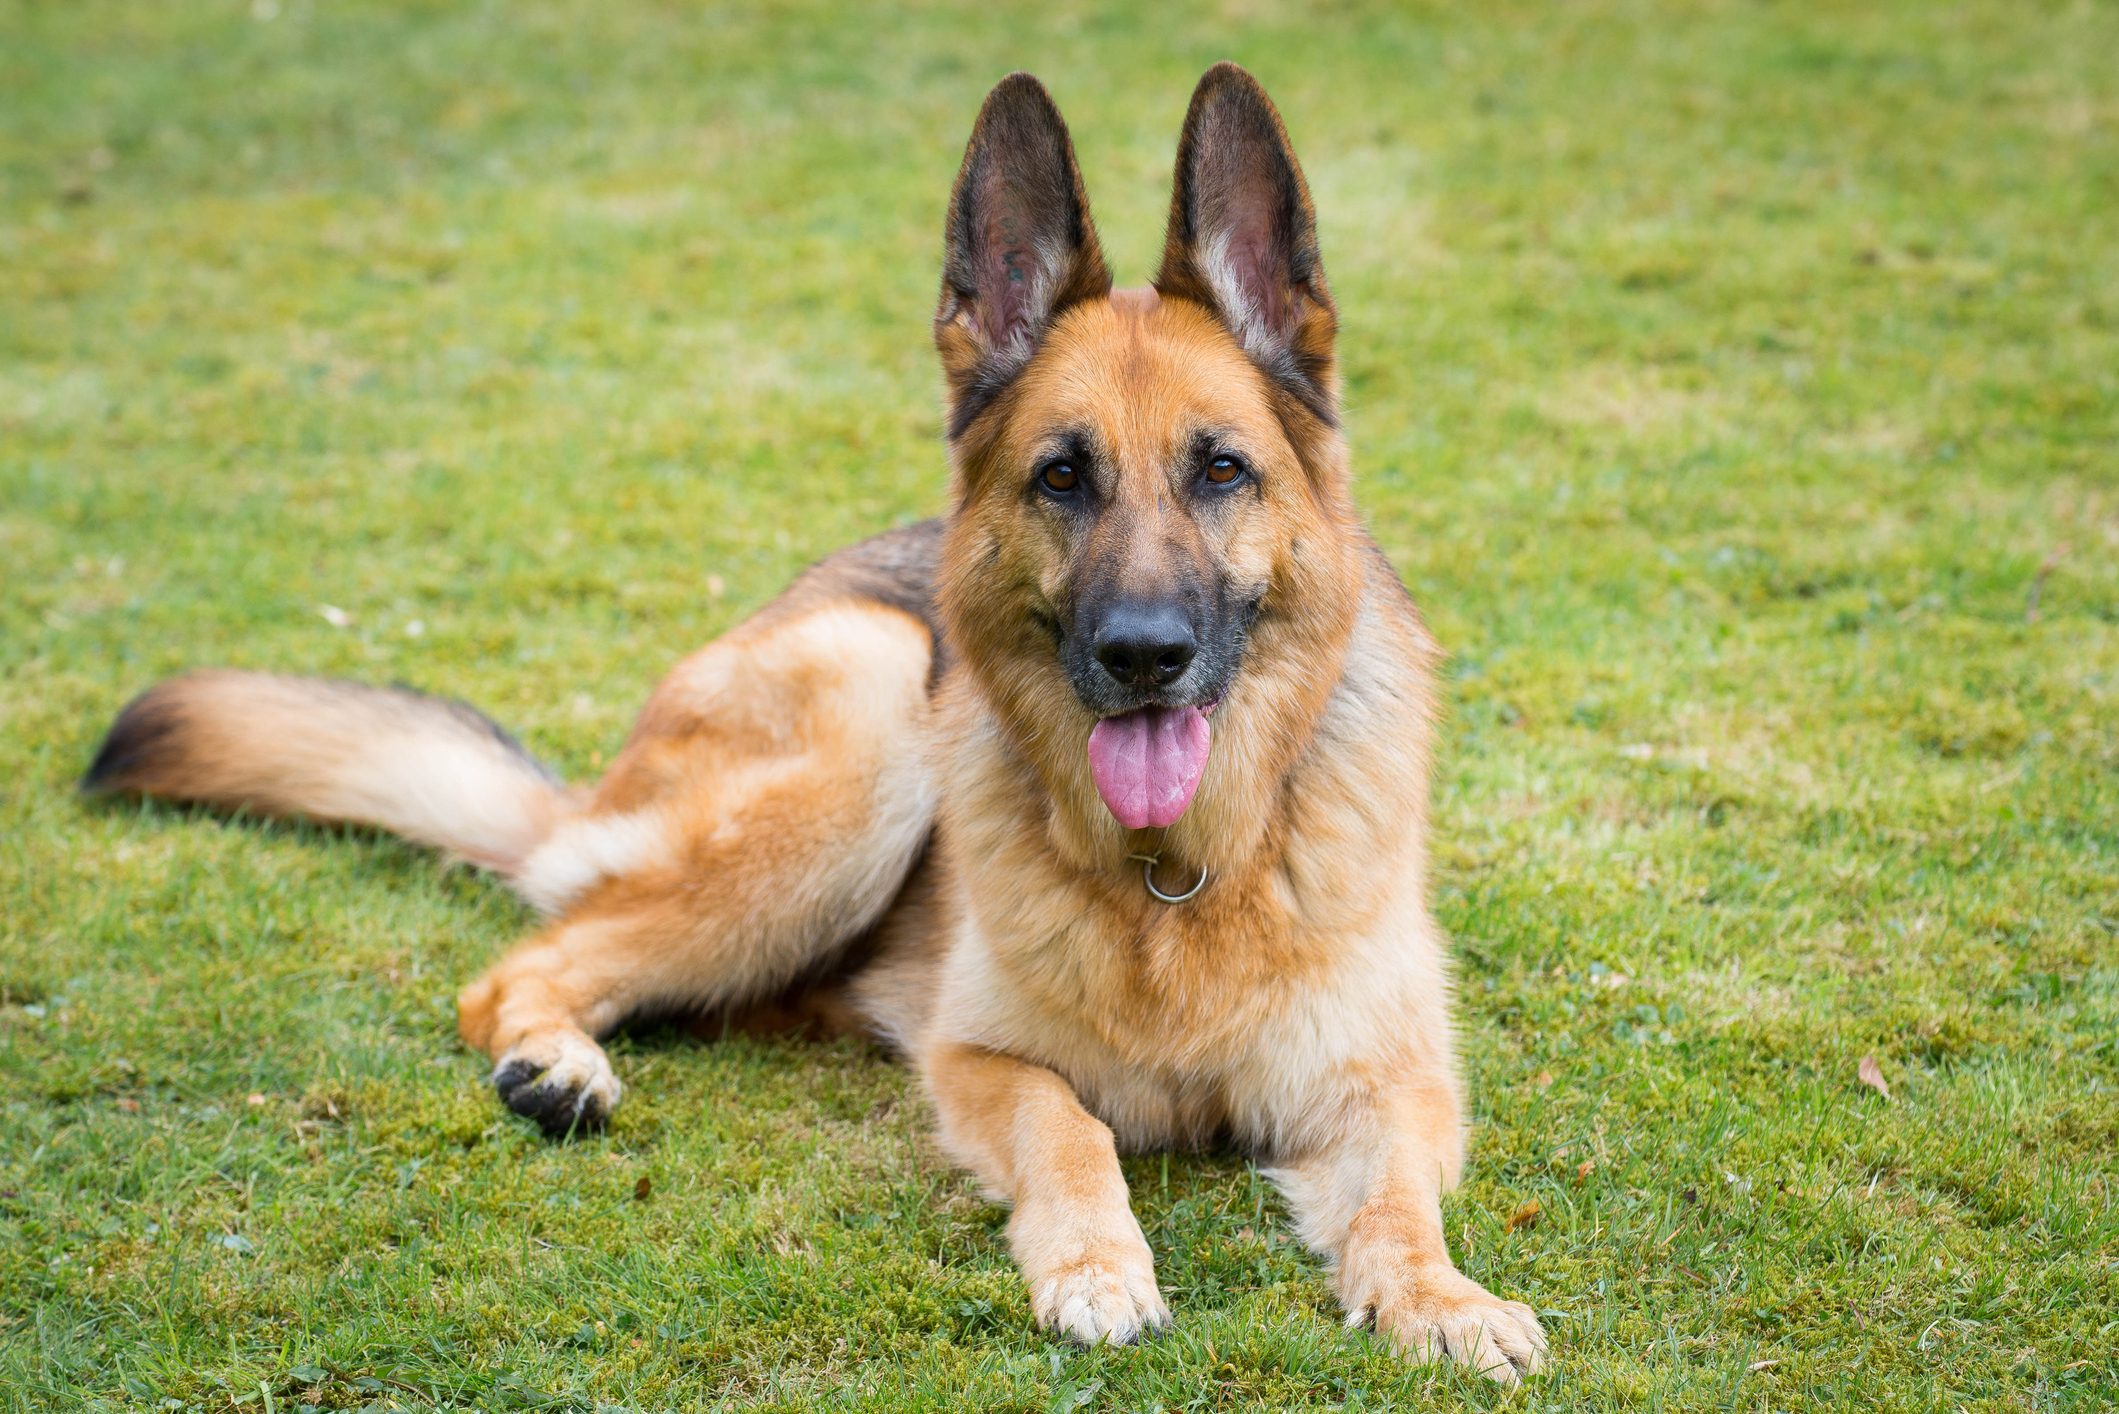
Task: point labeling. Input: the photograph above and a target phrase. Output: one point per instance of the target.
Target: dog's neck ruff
(1147, 876)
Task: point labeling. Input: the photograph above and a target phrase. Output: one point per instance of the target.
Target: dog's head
(1151, 509)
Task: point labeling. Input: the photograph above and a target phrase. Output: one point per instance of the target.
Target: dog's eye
(1059, 478)
(1224, 469)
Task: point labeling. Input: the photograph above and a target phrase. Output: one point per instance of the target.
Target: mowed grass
(1736, 385)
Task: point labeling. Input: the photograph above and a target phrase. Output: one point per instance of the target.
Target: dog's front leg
(1021, 1129)
(1371, 1202)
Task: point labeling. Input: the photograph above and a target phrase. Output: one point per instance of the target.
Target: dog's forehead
(1144, 376)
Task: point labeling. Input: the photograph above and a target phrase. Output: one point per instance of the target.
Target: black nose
(1145, 645)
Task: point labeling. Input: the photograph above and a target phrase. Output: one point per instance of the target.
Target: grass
(1737, 385)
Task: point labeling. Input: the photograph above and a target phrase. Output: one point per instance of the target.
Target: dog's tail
(427, 768)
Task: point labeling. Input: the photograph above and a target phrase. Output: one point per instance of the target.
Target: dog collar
(1147, 876)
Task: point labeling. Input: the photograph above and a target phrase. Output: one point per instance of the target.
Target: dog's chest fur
(1239, 1012)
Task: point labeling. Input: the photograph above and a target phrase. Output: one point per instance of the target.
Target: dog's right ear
(1019, 248)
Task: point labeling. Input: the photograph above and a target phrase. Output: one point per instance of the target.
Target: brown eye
(1059, 478)
(1222, 470)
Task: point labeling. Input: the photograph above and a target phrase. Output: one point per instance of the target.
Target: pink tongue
(1147, 763)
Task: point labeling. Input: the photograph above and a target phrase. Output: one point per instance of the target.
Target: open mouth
(1147, 763)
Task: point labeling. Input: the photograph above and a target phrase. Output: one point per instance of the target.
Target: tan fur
(431, 770)
(783, 768)
(872, 801)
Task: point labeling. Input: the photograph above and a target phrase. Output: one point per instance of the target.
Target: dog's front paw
(561, 1079)
(1095, 1302)
(1435, 1312)
(1090, 1289)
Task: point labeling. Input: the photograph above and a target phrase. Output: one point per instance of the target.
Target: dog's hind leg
(764, 814)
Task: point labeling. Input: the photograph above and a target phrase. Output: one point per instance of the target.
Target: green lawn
(1736, 385)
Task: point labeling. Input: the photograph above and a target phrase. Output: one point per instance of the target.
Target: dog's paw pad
(574, 1091)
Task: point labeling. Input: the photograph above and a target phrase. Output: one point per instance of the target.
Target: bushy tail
(427, 768)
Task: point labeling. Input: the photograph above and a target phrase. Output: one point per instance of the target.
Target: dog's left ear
(1019, 246)
(1243, 237)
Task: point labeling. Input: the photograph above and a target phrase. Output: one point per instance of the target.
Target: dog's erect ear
(1243, 236)
(1019, 248)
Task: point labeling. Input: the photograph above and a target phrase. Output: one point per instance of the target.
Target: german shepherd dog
(1102, 799)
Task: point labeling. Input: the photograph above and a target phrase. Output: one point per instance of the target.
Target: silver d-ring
(1147, 875)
